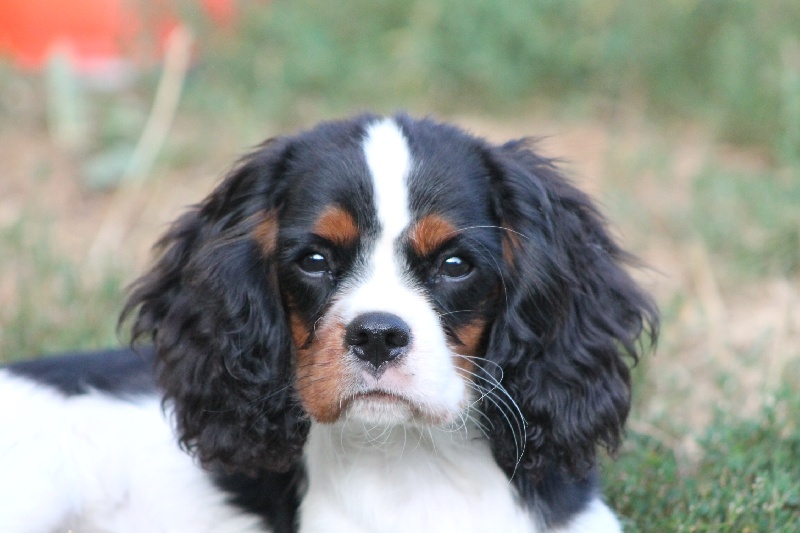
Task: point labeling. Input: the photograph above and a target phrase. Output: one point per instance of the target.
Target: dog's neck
(364, 477)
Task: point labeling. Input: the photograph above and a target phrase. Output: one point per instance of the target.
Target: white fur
(378, 479)
(389, 162)
(365, 478)
(94, 463)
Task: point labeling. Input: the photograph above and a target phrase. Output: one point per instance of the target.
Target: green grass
(747, 478)
(751, 220)
(55, 305)
(731, 63)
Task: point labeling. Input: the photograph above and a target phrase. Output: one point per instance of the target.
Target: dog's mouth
(386, 407)
(381, 406)
(380, 396)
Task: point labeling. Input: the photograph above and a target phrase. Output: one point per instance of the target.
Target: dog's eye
(314, 263)
(455, 267)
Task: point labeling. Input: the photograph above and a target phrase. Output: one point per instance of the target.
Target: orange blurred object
(97, 34)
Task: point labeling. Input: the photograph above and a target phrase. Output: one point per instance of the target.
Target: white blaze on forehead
(384, 286)
(389, 162)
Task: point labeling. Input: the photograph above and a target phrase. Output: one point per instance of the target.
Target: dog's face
(388, 269)
(394, 271)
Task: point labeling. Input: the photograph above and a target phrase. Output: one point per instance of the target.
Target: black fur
(118, 372)
(274, 496)
(211, 307)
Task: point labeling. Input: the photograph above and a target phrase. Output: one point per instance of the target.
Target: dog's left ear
(212, 307)
(569, 316)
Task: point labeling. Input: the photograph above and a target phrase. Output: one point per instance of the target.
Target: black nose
(378, 337)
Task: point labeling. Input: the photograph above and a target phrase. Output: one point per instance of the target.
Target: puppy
(380, 324)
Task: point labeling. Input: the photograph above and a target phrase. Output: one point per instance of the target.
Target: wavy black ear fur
(570, 316)
(212, 308)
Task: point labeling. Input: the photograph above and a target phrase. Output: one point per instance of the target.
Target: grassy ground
(681, 119)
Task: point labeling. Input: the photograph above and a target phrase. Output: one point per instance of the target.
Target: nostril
(359, 338)
(396, 338)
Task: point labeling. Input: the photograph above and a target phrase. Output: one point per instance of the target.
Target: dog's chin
(386, 409)
(380, 409)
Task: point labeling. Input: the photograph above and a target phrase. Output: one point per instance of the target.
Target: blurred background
(681, 118)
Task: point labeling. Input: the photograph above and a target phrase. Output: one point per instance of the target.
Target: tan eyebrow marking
(337, 225)
(429, 233)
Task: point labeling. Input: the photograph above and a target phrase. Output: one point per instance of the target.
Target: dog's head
(399, 272)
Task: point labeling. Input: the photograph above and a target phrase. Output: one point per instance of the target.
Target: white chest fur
(365, 479)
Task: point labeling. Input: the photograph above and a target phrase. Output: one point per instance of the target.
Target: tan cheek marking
(471, 337)
(429, 233)
(321, 374)
(337, 225)
(266, 232)
(297, 325)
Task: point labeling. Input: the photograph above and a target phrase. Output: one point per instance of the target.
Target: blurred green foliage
(734, 63)
(55, 306)
(746, 479)
(752, 220)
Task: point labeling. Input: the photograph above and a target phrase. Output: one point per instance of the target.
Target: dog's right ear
(211, 305)
(573, 318)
